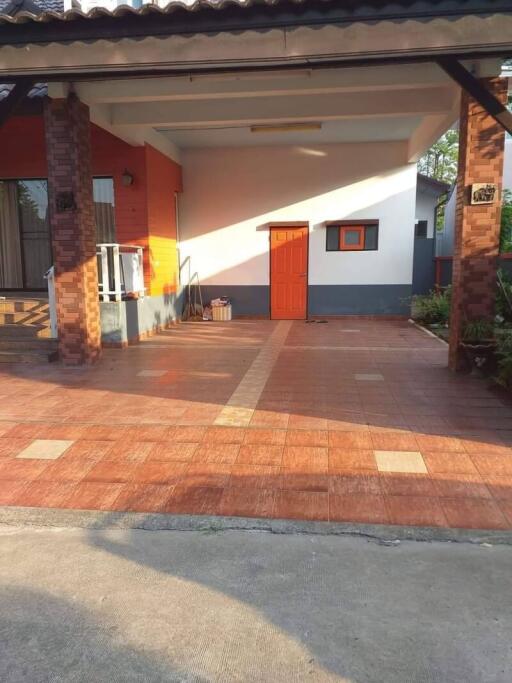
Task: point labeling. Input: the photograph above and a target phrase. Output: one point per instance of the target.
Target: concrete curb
(100, 520)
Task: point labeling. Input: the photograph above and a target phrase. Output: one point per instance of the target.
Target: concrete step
(12, 305)
(27, 356)
(25, 318)
(17, 331)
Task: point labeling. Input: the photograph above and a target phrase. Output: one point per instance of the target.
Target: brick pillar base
(67, 130)
(477, 227)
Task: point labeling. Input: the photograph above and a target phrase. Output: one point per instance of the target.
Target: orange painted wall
(163, 180)
(144, 211)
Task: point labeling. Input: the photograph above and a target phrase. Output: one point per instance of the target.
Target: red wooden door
(288, 273)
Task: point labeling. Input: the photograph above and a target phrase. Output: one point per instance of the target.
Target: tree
(440, 162)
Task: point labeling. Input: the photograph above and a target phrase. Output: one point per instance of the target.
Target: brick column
(68, 149)
(477, 227)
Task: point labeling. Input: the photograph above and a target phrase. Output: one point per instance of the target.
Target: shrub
(504, 356)
(504, 296)
(433, 308)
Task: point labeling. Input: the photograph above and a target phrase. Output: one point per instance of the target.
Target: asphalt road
(117, 605)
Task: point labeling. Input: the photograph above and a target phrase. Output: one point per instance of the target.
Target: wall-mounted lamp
(127, 178)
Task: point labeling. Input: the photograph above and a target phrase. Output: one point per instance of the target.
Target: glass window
(333, 238)
(352, 237)
(103, 193)
(25, 244)
(421, 229)
(371, 234)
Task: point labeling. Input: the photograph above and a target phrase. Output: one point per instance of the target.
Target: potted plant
(478, 342)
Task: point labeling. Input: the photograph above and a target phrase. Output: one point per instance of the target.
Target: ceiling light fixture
(286, 128)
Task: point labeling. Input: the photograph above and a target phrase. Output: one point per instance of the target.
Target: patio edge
(98, 520)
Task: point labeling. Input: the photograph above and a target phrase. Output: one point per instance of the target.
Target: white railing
(52, 307)
(120, 271)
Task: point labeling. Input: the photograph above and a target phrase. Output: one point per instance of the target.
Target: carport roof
(226, 15)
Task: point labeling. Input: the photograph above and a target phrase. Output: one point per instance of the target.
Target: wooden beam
(478, 92)
(13, 100)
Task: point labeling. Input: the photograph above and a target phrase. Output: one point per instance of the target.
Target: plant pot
(480, 356)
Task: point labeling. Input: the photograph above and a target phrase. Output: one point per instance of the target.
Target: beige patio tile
(45, 449)
(406, 462)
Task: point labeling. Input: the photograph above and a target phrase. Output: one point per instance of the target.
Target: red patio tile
(500, 486)
(87, 450)
(204, 474)
(362, 508)
(6, 427)
(244, 502)
(142, 498)
(351, 440)
(254, 476)
(168, 473)
(307, 505)
(473, 513)
(297, 480)
(258, 454)
(27, 430)
(506, 508)
(306, 437)
(489, 444)
(460, 486)
(415, 511)
(99, 432)
(344, 459)
(10, 490)
(307, 422)
(438, 442)
(26, 470)
(394, 484)
(176, 452)
(490, 463)
(223, 435)
(356, 482)
(441, 462)
(65, 431)
(66, 470)
(10, 446)
(216, 453)
(194, 500)
(112, 472)
(394, 441)
(187, 434)
(270, 418)
(92, 495)
(145, 432)
(48, 494)
(129, 451)
(266, 437)
(306, 459)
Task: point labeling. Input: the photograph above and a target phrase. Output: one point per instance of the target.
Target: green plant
(504, 356)
(506, 223)
(476, 331)
(433, 308)
(504, 296)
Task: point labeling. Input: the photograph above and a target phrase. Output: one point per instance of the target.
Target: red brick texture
(477, 228)
(67, 130)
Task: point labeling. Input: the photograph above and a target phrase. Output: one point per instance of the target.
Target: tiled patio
(352, 420)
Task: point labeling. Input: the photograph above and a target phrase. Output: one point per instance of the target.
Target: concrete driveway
(117, 605)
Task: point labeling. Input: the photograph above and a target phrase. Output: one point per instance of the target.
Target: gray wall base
(127, 321)
(359, 299)
(246, 299)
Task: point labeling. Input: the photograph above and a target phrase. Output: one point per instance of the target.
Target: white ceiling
(331, 132)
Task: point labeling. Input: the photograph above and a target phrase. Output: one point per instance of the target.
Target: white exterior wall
(232, 194)
(425, 210)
